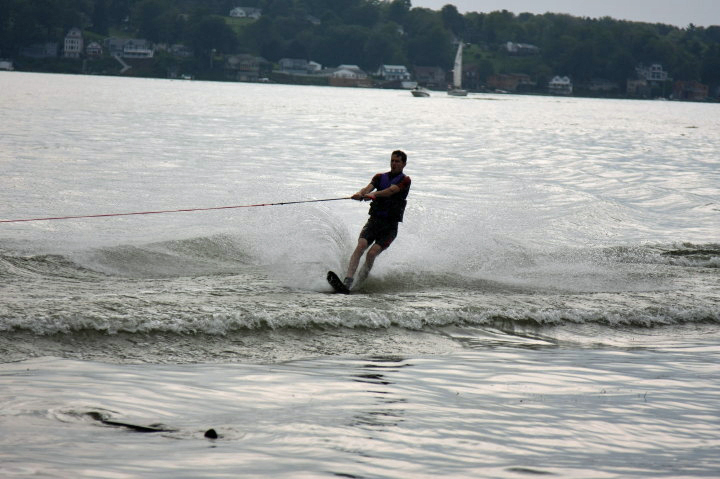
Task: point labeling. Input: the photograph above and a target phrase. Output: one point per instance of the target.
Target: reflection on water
(497, 411)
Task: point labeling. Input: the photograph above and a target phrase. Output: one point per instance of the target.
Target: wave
(224, 254)
(222, 284)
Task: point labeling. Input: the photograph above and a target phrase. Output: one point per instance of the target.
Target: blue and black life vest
(391, 207)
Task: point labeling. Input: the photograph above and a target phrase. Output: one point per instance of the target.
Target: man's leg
(355, 259)
(370, 260)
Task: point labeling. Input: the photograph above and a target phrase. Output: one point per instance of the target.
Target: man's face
(396, 164)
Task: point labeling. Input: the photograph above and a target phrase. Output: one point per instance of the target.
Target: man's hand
(369, 197)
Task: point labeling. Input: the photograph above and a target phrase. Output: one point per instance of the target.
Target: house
(244, 67)
(246, 12)
(137, 48)
(521, 49)
(298, 66)
(349, 76)
(560, 86)
(94, 50)
(130, 47)
(653, 73)
(352, 72)
(393, 72)
(40, 50)
(431, 77)
(6, 65)
(690, 90)
(293, 66)
(510, 82)
(73, 44)
(648, 81)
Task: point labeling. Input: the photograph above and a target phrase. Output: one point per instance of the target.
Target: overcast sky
(672, 12)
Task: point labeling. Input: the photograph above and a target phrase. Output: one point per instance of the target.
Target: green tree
(213, 33)
(100, 21)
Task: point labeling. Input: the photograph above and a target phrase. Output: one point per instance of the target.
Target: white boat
(419, 92)
(457, 89)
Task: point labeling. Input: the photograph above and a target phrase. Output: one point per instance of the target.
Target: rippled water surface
(550, 307)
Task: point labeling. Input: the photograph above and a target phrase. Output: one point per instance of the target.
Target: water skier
(386, 211)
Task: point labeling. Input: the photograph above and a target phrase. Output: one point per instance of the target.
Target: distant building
(349, 76)
(431, 77)
(393, 72)
(246, 12)
(137, 48)
(352, 72)
(130, 47)
(653, 73)
(521, 49)
(94, 50)
(690, 90)
(244, 67)
(6, 65)
(73, 44)
(560, 86)
(293, 66)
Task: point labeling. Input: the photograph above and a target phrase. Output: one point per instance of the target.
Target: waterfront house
(560, 86)
(94, 50)
(653, 73)
(349, 75)
(690, 90)
(393, 72)
(431, 77)
(293, 66)
(245, 67)
(73, 44)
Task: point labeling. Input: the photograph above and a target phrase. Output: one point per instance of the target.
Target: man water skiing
(386, 211)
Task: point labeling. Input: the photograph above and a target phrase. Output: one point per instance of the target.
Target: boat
(419, 92)
(457, 89)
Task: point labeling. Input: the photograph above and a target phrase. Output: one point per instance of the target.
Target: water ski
(337, 283)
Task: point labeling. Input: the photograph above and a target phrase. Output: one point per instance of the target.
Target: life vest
(391, 207)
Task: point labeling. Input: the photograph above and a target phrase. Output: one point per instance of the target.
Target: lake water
(551, 305)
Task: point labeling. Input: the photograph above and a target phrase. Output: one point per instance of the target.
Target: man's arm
(363, 192)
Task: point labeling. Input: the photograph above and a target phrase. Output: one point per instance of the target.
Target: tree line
(370, 33)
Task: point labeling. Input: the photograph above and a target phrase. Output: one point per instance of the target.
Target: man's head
(398, 159)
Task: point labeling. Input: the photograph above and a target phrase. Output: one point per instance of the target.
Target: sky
(701, 13)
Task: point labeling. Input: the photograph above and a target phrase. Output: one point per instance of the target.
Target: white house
(560, 86)
(352, 72)
(246, 12)
(393, 72)
(6, 65)
(654, 72)
(73, 43)
(137, 48)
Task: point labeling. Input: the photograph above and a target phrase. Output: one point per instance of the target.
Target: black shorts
(379, 231)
